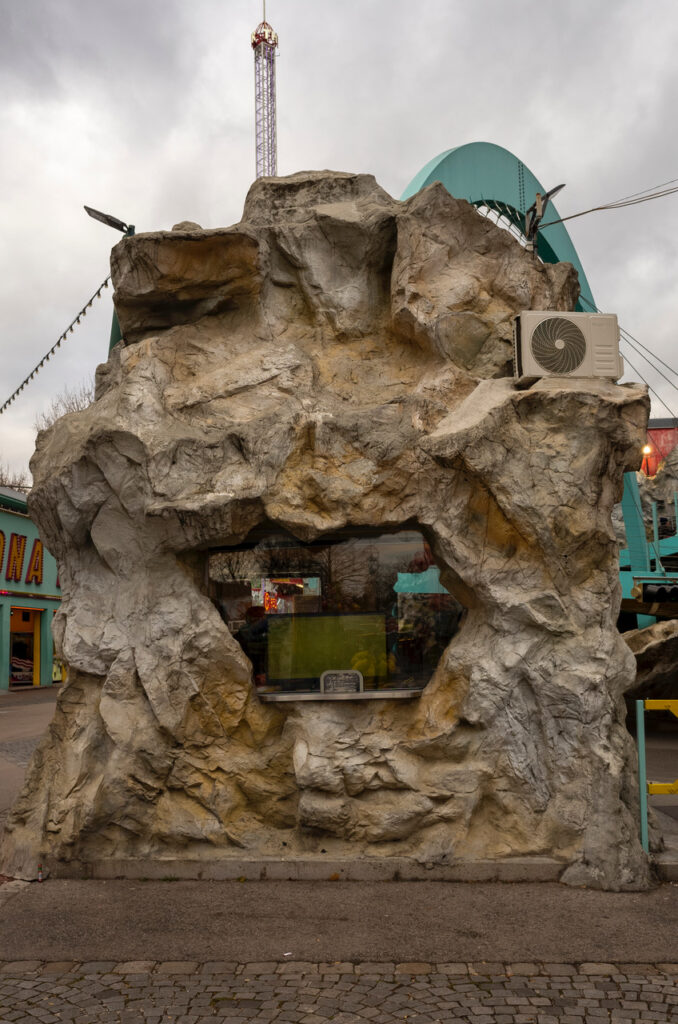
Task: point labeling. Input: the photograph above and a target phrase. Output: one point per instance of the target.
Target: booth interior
(358, 611)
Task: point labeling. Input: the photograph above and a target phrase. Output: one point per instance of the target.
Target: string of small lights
(62, 337)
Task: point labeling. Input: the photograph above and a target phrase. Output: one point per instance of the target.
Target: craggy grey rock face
(336, 359)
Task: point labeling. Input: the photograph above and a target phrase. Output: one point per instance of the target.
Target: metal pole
(116, 333)
(642, 773)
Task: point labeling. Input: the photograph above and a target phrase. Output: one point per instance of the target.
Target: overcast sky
(144, 109)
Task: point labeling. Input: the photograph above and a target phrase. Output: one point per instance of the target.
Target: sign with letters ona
(25, 565)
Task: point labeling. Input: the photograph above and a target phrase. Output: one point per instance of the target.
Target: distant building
(29, 597)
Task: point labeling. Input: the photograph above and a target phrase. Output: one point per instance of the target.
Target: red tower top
(264, 33)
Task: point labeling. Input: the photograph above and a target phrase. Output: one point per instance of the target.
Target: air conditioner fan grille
(558, 345)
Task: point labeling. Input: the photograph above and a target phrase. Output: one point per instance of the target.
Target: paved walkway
(146, 992)
(323, 921)
(24, 716)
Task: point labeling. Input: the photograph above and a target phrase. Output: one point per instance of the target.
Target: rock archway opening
(361, 610)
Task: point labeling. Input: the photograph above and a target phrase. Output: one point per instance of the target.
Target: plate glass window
(367, 604)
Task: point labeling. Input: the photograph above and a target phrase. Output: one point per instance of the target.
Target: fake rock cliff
(336, 360)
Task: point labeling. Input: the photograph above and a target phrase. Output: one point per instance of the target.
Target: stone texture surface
(656, 652)
(338, 358)
(663, 485)
(306, 993)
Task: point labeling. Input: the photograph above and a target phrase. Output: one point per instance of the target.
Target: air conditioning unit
(551, 344)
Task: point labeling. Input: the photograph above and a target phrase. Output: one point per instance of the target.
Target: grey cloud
(128, 53)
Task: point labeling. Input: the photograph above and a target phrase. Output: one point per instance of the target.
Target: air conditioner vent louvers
(558, 345)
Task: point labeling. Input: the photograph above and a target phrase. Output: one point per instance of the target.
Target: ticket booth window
(365, 609)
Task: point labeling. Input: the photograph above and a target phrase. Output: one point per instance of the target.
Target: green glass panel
(305, 646)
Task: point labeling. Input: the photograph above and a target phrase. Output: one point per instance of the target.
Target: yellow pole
(36, 648)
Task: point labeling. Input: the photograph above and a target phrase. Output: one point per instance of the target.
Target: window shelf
(275, 698)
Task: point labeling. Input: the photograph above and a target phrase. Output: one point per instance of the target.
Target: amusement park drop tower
(264, 43)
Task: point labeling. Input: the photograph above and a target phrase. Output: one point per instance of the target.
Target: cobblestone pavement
(147, 992)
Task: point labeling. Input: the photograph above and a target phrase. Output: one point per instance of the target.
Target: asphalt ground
(325, 921)
(24, 716)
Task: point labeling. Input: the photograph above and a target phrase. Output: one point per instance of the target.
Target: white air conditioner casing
(547, 343)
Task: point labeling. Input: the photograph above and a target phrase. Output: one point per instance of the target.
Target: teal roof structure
(13, 499)
(427, 582)
(488, 175)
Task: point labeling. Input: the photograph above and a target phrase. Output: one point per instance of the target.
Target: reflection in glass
(365, 603)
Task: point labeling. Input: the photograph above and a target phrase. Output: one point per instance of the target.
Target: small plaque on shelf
(341, 681)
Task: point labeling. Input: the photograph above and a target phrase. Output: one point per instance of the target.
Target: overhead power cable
(632, 200)
(649, 361)
(629, 339)
(653, 354)
(62, 337)
(652, 188)
(650, 388)
(633, 342)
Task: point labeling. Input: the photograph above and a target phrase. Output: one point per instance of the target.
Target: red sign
(660, 441)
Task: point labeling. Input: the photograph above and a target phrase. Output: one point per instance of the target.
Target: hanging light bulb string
(62, 337)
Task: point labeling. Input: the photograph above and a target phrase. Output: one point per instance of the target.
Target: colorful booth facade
(29, 597)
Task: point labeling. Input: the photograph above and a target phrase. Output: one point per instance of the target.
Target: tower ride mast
(264, 44)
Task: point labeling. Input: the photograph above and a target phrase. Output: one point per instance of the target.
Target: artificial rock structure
(336, 359)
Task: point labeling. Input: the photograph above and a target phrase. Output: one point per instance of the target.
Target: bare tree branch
(18, 480)
(69, 400)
